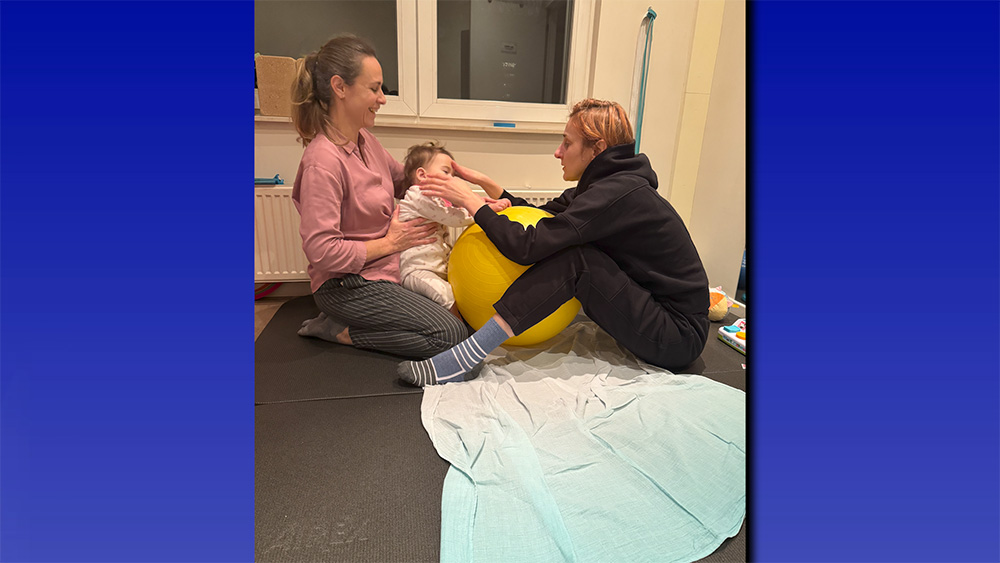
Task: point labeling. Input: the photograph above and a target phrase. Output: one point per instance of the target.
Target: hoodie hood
(619, 159)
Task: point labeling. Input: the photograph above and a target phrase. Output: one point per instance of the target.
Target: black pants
(611, 299)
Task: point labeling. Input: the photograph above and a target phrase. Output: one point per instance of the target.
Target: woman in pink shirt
(344, 192)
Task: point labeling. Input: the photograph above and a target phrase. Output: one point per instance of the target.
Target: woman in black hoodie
(614, 243)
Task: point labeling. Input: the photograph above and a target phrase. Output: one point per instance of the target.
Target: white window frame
(405, 104)
(418, 100)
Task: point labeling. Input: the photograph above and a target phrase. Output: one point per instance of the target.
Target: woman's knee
(449, 333)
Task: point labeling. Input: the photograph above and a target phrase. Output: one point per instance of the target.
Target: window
(503, 60)
(480, 60)
(503, 50)
(295, 28)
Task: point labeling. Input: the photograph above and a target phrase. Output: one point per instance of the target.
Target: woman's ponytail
(309, 112)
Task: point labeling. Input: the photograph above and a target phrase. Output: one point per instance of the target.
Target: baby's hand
(498, 205)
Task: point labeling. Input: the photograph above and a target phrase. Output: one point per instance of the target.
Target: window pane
(503, 50)
(295, 28)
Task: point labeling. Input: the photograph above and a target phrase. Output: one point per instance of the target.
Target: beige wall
(673, 31)
(694, 123)
(718, 210)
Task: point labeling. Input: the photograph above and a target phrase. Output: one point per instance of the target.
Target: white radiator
(277, 245)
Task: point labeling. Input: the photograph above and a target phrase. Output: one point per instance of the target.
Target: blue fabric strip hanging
(640, 72)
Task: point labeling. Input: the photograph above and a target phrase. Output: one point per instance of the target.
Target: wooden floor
(264, 310)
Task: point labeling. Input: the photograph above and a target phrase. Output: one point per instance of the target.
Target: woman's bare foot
(344, 337)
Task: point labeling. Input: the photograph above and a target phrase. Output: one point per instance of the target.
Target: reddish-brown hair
(600, 119)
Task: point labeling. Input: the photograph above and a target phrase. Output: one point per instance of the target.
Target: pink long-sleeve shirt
(343, 201)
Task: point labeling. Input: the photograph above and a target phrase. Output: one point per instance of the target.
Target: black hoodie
(616, 208)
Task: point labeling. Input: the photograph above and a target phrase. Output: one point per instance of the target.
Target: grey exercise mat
(719, 361)
(358, 479)
(733, 550)
(346, 480)
(289, 367)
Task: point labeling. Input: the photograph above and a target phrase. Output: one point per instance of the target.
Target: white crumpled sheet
(581, 452)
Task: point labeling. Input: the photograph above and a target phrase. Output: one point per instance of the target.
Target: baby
(424, 269)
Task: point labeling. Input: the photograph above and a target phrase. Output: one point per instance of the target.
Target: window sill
(441, 124)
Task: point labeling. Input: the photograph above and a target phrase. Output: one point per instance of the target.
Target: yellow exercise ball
(480, 274)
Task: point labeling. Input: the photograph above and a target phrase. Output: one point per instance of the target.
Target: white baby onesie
(424, 268)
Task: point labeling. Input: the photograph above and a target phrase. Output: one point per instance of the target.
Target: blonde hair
(600, 119)
(421, 155)
(311, 91)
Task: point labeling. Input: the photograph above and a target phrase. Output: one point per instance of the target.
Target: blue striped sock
(452, 364)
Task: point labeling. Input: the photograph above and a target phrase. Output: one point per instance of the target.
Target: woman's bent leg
(385, 317)
(611, 299)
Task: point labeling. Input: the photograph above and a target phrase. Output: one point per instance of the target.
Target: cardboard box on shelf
(274, 85)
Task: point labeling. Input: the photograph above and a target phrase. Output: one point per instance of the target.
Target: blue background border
(126, 417)
(126, 400)
(874, 247)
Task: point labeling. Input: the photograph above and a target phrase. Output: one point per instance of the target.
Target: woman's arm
(495, 192)
(401, 235)
(592, 216)
(454, 190)
(434, 209)
(325, 245)
(478, 178)
(319, 198)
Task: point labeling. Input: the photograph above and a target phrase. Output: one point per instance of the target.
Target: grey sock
(323, 326)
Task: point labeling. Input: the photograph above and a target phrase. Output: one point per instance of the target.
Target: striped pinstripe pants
(387, 317)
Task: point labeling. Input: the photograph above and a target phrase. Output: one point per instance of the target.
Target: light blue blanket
(580, 452)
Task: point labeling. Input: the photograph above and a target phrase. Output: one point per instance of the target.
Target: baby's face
(440, 164)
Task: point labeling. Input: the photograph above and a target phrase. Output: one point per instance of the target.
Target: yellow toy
(480, 274)
(718, 304)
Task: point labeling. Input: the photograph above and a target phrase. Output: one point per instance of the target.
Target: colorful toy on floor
(735, 335)
(480, 274)
(719, 304)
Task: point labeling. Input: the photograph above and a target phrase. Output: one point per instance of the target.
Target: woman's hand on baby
(453, 189)
(477, 178)
(407, 234)
(497, 205)
(467, 174)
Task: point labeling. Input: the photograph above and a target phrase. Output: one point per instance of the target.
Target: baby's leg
(430, 285)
